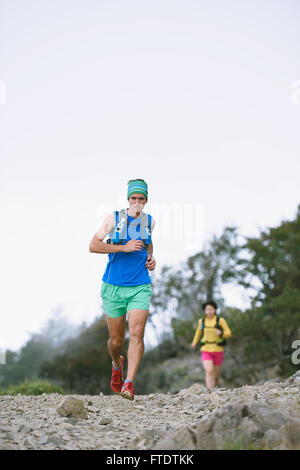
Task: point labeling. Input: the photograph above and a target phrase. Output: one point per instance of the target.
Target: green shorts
(117, 300)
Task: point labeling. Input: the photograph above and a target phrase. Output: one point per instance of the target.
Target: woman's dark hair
(209, 302)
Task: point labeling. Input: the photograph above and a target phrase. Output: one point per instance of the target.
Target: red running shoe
(117, 379)
(127, 391)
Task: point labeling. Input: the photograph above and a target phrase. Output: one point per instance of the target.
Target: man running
(212, 335)
(126, 284)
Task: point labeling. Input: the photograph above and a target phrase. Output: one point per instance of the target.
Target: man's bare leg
(136, 322)
(116, 327)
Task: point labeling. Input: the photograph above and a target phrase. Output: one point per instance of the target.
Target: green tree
(182, 291)
(273, 270)
(84, 366)
(25, 363)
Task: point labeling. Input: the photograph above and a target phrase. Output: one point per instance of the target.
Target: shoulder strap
(120, 229)
(112, 233)
(122, 224)
(145, 226)
(218, 323)
(117, 234)
(202, 327)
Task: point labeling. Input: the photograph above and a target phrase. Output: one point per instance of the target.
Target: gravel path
(33, 422)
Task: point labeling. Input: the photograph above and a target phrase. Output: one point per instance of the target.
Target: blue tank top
(128, 269)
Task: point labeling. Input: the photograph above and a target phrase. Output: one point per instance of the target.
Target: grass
(240, 445)
(34, 387)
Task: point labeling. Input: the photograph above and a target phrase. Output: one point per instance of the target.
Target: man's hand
(193, 346)
(219, 332)
(133, 245)
(151, 263)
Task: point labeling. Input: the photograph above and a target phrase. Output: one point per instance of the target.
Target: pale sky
(198, 98)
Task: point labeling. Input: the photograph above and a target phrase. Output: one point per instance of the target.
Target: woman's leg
(209, 373)
(217, 370)
(218, 360)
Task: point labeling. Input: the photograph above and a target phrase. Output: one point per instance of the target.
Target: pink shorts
(216, 357)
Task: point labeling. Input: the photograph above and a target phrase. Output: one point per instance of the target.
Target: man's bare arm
(98, 246)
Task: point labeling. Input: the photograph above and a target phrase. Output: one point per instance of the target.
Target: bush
(184, 330)
(34, 387)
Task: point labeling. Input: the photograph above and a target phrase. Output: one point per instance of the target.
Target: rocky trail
(263, 416)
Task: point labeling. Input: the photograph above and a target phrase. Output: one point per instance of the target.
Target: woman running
(212, 330)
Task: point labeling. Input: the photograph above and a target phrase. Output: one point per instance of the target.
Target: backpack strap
(119, 233)
(202, 329)
(112, 234)
(121, 226)
(116, 232)
(146, 228)
(120, 230)
(218, 323)
(223, 341)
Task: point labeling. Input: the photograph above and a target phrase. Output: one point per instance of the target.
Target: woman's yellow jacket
(210, 334)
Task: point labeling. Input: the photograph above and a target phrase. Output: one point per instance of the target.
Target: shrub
(33, 387)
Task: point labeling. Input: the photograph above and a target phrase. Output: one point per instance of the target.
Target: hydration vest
(118, 235)
(223, 342)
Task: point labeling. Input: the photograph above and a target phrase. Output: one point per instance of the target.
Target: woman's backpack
(223, 341)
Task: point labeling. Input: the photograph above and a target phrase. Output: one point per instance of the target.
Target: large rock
(195, 389)
(294, 379)
(72, 407)
(292, 434)
(272, 439)
(243, 425)
(182, 439)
